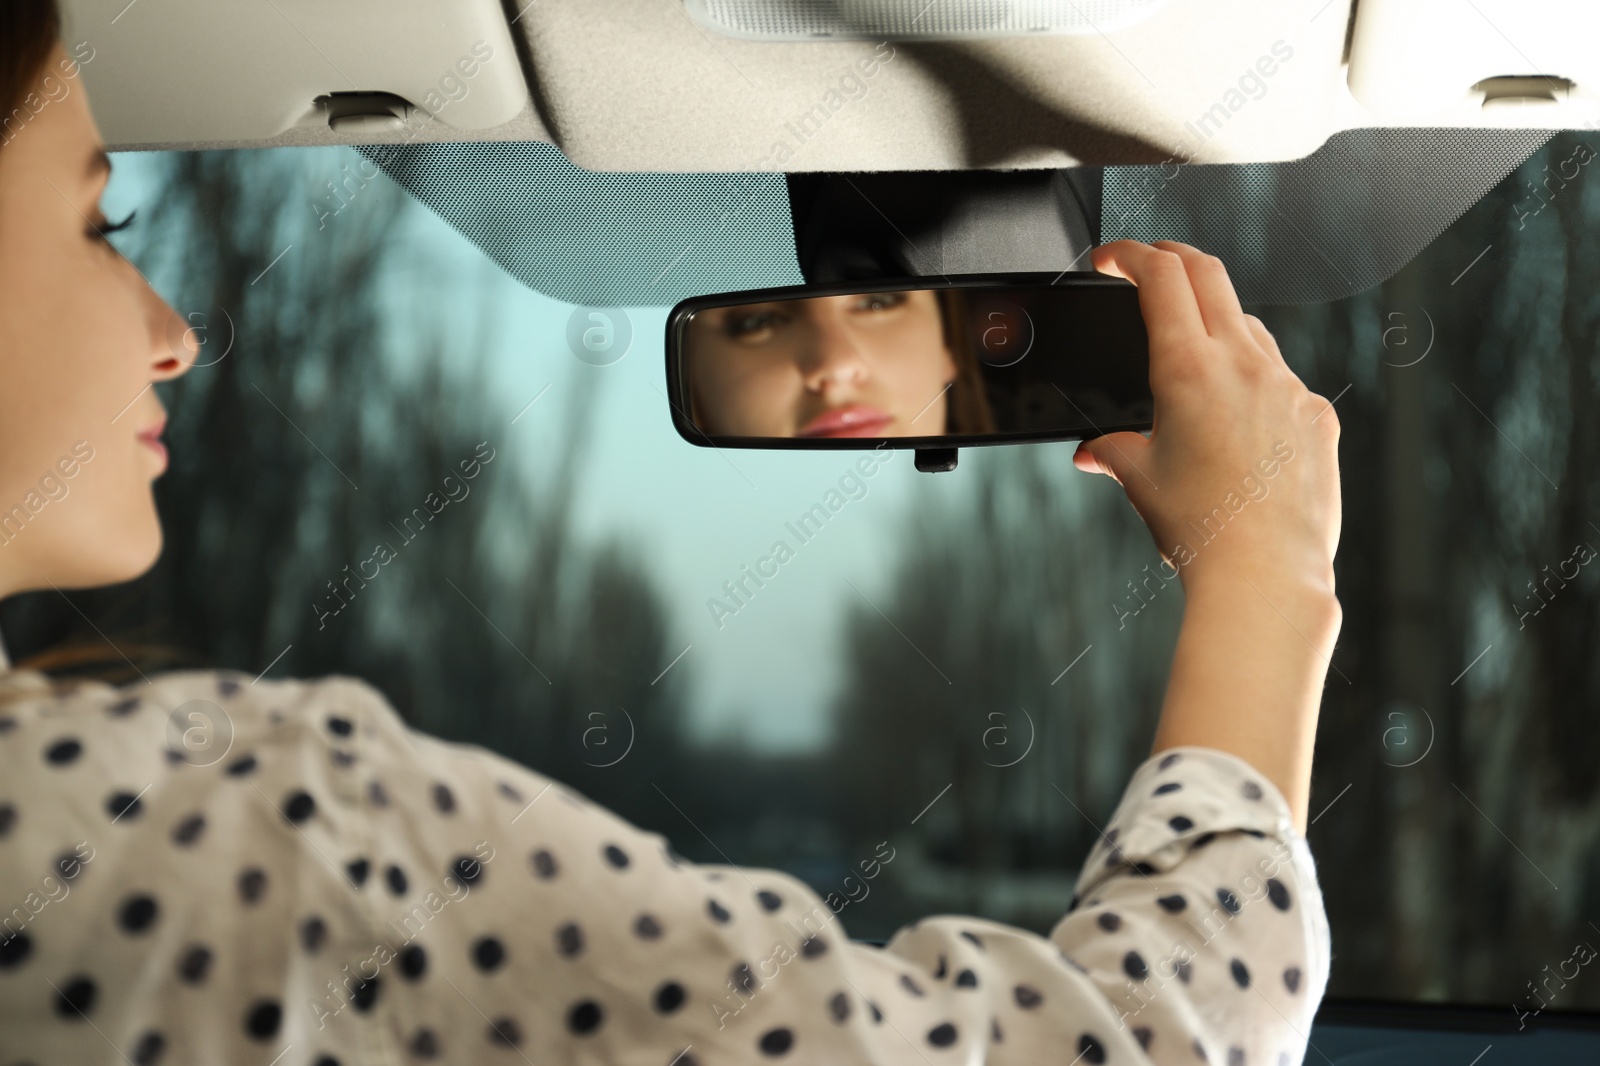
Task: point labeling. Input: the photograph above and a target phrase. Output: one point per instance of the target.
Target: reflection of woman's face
(873, 365)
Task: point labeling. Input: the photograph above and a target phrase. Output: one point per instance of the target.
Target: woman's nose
(173, 344)
(837, 357)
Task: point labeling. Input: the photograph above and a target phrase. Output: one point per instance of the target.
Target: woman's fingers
(1213, 290)
(1166, 297)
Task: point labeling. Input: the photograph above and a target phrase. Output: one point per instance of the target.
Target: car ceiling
(652, 86)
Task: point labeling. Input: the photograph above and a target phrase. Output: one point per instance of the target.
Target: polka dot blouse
(205, 870)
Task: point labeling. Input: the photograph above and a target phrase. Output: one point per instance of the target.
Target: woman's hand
(1240, 472)
(1239, 484)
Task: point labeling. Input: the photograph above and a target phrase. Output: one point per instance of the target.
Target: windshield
(966, 665)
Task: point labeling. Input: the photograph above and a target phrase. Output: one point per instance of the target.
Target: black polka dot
(877, 1015)
(252, 884)
(1241, 973)
(967, 934)
(124, 806)
(994, 1031)
(1027, 996)
(326, 1060)
(569, 939)
(911, 985)
(813, 947)
(1169, 787)
(1111, 835)
(75, 997)
(424, 1044)
(149, 1049)
(1110, 921)
(966, 979)
(1258, 834)
(1180, 824)
(261, 1022)
(379, 797)
(585, 1017)
(1277, 893)
(365, 994)
(63, 752)
(1172, 904)
(123, 707)
(776, 1041)
(138, 913)
(189, 830)
(1291, 979)
(1167, 761)
(669, 997)
(342, 758)
(1200, 1050)
(1236, 1056)
(769, 900)
(14, 949)
(1090, 1049)
(313, 934)
(839, 1007)
(646, 927)
(413, 962)
(299, 806)
(544, 865)
(942, 1035)
(943, 967)
(396, 879)
(194, 964)
(1144, 1035)
(616, 857)
(241, 766)
(467, 869)
(443, 798)
(7, 723)
(509, 791)
(1229, 901)
(718, 912)
(505, 1032)
(8, 818)
(488, 953)
(339, 727)
(743, 979)
(1144, 868)
(1185, 971)
(1250, 790)
(1134, 966)
(1202, 840)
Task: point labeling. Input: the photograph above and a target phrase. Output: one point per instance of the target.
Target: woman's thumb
(1113, 454)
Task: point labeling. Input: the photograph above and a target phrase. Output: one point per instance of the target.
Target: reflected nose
(836, 357)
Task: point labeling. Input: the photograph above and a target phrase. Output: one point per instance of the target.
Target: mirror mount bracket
(936, 460)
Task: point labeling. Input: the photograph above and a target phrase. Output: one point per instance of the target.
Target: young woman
(882, 364)
(339, 889)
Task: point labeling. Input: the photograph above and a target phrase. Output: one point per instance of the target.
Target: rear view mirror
(927, 363)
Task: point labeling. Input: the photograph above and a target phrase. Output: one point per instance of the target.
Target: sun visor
(173, 71)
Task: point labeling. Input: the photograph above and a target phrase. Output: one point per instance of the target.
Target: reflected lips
(856, 420)
(152, 437)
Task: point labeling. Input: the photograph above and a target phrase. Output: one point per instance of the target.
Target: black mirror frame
(677, 387)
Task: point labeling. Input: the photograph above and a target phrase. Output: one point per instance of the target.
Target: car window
(398, 462)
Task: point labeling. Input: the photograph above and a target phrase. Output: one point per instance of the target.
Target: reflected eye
(748, 324)
(881, 301)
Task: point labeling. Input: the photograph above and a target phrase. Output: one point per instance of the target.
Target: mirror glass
(969, 361)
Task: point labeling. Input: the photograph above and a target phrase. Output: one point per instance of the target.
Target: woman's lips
(856, 420)
(152, 437)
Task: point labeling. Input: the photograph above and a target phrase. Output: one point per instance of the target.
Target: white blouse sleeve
(338, 889)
